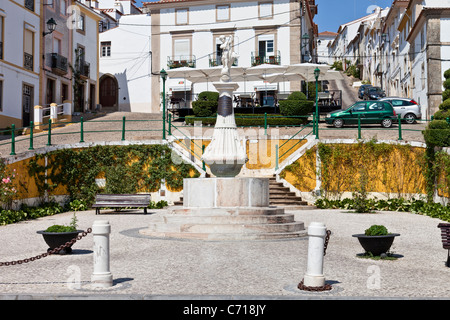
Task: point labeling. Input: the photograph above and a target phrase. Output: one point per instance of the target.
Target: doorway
(27, 103)
(109, 92)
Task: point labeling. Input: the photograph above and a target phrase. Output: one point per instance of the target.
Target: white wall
(130, 61)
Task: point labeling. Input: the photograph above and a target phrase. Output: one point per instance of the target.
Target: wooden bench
(121, 201)
(445, 234)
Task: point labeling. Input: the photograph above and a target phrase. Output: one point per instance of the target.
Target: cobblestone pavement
(152, 268)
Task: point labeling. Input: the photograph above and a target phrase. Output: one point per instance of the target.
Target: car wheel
(386, 123)
(338, 123)
(410, 118)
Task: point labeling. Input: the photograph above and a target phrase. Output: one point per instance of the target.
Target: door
(375, 112)
(109, 92)
(27, 103)
(92, 96)
(358, 110)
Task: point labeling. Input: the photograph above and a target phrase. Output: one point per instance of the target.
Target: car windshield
(375, 90)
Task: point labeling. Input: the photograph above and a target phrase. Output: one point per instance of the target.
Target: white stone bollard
(314, 273)
(101, 277)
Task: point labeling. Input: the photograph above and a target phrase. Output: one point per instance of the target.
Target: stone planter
(376, 244)
(56, 239)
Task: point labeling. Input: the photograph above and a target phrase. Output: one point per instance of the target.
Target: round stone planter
(376, 244)
(57, 239)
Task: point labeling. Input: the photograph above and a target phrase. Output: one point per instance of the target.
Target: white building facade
(186, 33)
(20, 29)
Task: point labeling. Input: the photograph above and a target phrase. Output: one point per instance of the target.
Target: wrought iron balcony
(181, 61)
(59, 64)
(217, 61)
(28, 61)
(258, 59)
(84, 68)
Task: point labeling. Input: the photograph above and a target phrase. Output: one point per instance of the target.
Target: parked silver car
(408, 109)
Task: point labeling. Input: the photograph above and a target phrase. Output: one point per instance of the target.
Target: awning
(178, 85)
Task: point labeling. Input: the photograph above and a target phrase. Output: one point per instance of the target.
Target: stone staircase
(282, 196)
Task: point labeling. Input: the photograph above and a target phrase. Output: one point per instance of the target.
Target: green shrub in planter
(376, 230)
(438, 131)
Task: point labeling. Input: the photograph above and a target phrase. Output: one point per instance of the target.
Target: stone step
(226, 236)
(226, 228)
(282, 202)
(223, 219)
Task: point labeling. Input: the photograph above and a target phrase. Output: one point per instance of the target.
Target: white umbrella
(283, 77)
(266, 68)
(184, 72)
(306, 70)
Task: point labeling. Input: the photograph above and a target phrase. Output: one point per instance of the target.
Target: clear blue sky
(333, 13)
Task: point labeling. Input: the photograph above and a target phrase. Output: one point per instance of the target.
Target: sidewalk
(151, 268)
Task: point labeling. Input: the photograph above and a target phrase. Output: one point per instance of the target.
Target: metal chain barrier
(53, 251)
(326, 287)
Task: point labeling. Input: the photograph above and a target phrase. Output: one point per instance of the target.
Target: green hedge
(243, 120)
(204, 108)
(434, 210)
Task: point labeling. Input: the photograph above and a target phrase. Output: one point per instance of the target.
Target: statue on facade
(228, 57)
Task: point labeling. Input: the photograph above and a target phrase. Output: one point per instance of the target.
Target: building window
(28, 50)
(106, 48)
(29, 4)
(181, 16)
(223, 13)
(63, 7)
(266, 10)
(182, 49)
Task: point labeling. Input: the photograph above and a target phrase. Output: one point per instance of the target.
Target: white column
(314, 273)
(54, 112)
(101, 276)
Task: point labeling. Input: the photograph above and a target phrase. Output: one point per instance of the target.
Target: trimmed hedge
(243, 120)
(296, 105)
(438, 131)
(206, 105)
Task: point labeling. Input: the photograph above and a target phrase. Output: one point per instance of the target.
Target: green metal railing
(124, 126)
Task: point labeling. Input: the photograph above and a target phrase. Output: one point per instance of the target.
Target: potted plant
(376, 240)
(58, 235)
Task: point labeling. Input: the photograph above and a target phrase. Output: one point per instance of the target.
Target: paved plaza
(152, 268)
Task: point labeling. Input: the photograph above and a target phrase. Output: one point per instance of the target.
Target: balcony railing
(59, 64)
(258, 59)
(84, 68)
(28, 61)
(217, 61)
(181, 61)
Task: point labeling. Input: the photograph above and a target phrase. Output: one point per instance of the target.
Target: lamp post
(316, 75)
(51, 26)
(163, 74)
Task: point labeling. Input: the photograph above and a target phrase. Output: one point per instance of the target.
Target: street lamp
(163, 74)
(51, 26)
(316, 75)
